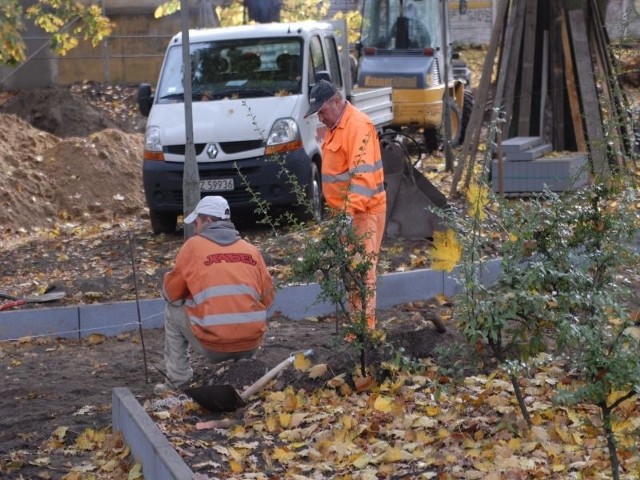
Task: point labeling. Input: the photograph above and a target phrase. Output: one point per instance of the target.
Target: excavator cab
(404, 44)
(401, 25)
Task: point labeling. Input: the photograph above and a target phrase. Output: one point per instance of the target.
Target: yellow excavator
(405, 44)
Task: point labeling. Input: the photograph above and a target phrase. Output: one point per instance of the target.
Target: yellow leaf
(167, 8)
(111, 465)
(383, 404)
(135, 472)
(614, 396)
(271, 423)
(633, 332)
(478, 197)
(362, 461)
(337, 381)
(446, 252)
(60, 432)
(318, 370)
(539, 434)
(393, 455)
(284, 419)
(283, 455)
(301, 362)
(432, 410)
(95, 339)
(290, 402)
(86, 440)
(235, 466)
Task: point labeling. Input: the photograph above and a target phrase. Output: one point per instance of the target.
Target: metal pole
(190, 176)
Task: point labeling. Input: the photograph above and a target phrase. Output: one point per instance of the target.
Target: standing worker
(352, 175)
(218, 294)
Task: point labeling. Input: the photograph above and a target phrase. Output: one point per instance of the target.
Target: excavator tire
(467, 108)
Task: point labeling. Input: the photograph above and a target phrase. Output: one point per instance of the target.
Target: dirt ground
(73, 219)
(52, 383)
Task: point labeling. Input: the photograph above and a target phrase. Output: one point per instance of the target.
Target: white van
(250, 89)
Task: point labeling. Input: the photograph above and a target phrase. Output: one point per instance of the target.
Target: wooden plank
(544, 81)
(512, 67)
(528, 68)
(620, 103)
(472, 137)
(557, 78)
(588, 94)
(606, 100)
(572, 88)
(505, 54)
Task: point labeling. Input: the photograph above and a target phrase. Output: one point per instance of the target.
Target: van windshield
(246, 68)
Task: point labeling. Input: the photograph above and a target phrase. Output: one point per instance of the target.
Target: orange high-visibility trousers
(369, 227)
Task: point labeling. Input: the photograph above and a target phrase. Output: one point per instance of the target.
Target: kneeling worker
(218, 294)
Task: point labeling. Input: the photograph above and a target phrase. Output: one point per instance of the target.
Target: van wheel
(162, 222)
(312, 209)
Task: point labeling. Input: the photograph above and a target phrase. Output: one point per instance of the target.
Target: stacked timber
(550, 74)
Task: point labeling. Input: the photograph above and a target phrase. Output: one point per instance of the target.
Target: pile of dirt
(66, 160)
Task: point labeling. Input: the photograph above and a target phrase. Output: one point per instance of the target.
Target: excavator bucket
(410, 196)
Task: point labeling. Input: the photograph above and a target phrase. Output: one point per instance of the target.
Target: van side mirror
(145, 99)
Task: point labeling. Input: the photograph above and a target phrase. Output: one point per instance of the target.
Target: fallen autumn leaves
(409, 426)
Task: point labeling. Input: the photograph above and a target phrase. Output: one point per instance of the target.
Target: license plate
(217, 185)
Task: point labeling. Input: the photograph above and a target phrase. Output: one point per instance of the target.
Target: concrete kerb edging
(295, 302)
(148, 444)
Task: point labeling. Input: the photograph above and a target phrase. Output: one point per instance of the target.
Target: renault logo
(212, 151)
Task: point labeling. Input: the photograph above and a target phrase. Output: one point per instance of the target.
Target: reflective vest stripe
(222, 291)
(229, 318)
(365, 191)
(346, 176)
(367, 168)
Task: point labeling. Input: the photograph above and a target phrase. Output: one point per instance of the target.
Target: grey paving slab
(149, 446)
(58, 322)
(490, 271)
(403, 287)
(295, 302)
(300, 301)
(529, 154)
(518, 144)
(451, 282)
(115, 318)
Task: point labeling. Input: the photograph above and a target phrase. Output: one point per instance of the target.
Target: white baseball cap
(213, 206)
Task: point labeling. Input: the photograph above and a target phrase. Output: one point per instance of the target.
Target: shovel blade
(216, 398)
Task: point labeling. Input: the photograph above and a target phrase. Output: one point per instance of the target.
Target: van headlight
(152, 139)
(283, 137)
(152, 144)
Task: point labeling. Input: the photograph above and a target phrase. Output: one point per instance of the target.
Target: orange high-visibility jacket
(227, 289)
(352, 175)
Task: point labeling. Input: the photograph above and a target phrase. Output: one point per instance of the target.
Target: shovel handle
(9, 304)
(270, 375)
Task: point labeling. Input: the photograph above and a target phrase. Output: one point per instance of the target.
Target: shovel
(225, 398)
(13, 301)
(45, 297)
